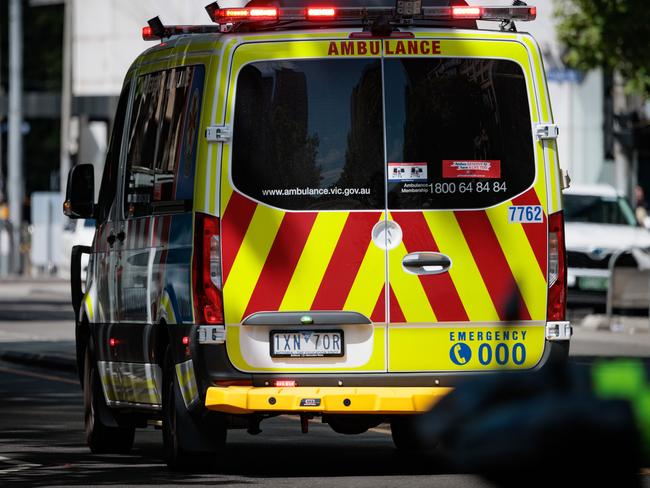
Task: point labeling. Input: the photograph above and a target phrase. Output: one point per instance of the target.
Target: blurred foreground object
(587, 424)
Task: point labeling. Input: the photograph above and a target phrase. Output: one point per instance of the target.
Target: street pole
(15, 187)
(621, 160)
(66, 97)
(2, 178)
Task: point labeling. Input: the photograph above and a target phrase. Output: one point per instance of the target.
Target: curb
(57, 363)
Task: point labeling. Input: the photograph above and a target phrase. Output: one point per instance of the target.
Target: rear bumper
(334, 400)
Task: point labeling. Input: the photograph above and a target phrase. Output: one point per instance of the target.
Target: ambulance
(336, 212)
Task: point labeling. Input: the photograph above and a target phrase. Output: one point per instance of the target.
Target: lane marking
(38, 375)
(16, 465)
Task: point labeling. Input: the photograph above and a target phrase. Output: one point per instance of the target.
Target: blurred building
(107, 37)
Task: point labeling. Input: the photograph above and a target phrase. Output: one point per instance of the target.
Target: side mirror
(80, 193)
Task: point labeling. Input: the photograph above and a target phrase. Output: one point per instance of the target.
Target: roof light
(147, 34)
(459, 12)
(409, 12)
(321, 13)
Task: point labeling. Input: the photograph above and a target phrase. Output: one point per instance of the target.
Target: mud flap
(199, 428)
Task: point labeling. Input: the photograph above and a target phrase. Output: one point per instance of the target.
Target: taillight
(206, 271)
(557, 275)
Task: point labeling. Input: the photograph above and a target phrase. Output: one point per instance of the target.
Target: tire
(403, 429)
(176, 434)
(101, 438)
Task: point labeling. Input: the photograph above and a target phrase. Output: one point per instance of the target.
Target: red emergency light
(461, 12)
(321, 13)
(228, 19)
(253, 13)
(147, 34)
(156, 30)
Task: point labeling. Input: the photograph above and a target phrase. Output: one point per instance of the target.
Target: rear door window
(308, 134)
(458, 133)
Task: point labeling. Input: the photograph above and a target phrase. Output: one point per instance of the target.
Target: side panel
(154, 239)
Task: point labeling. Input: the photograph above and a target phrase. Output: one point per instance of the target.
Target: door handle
(426, 263)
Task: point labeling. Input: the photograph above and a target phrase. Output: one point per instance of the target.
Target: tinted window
(162, 140)
(108, 188)
(458, 133)
(598, 210)
(308, 134)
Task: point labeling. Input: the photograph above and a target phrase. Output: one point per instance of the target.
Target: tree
(612, 34)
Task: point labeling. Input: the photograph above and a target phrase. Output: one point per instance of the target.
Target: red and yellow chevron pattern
(276, 260)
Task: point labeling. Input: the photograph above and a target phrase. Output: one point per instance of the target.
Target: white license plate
(306, 343)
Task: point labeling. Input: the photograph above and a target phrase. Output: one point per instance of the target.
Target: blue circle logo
(460, 354)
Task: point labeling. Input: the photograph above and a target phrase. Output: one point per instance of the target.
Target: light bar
(522, 13)
(320, 13)
(148, 33)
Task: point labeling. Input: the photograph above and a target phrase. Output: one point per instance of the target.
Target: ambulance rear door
(302, 188)
(466, 189)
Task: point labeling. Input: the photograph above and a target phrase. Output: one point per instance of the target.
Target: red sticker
(452, 168)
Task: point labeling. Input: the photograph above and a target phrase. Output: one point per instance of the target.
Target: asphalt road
(41, 426)
(41, 444)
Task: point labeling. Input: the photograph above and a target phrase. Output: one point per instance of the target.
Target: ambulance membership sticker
(452, 168)
(407, 172)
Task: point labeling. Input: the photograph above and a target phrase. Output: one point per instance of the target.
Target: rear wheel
(176, 438)
(101, 438)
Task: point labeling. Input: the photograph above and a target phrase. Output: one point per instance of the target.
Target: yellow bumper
(368, 400)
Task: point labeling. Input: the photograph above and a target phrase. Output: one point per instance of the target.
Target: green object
(306, 320)
(626, 380)
(607, 34)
